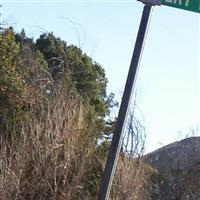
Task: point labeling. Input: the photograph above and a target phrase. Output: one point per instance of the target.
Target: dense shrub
(53, 106)
(13, 89)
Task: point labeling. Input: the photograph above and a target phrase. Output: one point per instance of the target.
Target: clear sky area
(168, 86)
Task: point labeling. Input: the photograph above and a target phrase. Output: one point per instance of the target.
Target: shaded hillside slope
(178, 171)
(178, 155)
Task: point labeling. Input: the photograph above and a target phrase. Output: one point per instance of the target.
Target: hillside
(178, 170)
(176, 156)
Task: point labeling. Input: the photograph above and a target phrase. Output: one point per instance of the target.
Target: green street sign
(191, 5)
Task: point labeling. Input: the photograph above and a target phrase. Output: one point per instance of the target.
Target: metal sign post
(118, 132)
(191, 5)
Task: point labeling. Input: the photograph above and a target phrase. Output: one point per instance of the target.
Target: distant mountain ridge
(177, 155)
(178, 171)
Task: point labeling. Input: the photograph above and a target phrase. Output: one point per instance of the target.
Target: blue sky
(168, 79)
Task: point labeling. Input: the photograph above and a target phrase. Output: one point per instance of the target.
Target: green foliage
(51, 46)
(35, 69)
(39, 69)
(13, 89)
(86, 76)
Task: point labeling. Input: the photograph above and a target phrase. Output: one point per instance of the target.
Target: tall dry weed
(52, 156)
(45, 157)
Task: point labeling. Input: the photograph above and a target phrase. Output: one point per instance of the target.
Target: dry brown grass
(45, 159)
(131, 180)
(52, 156)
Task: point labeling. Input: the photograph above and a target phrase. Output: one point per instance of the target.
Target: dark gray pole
(118, 132)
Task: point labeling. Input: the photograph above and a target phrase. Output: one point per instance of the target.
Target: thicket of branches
(53, 110)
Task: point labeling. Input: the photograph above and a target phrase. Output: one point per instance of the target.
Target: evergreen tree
(13, 90)
(83, 74)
